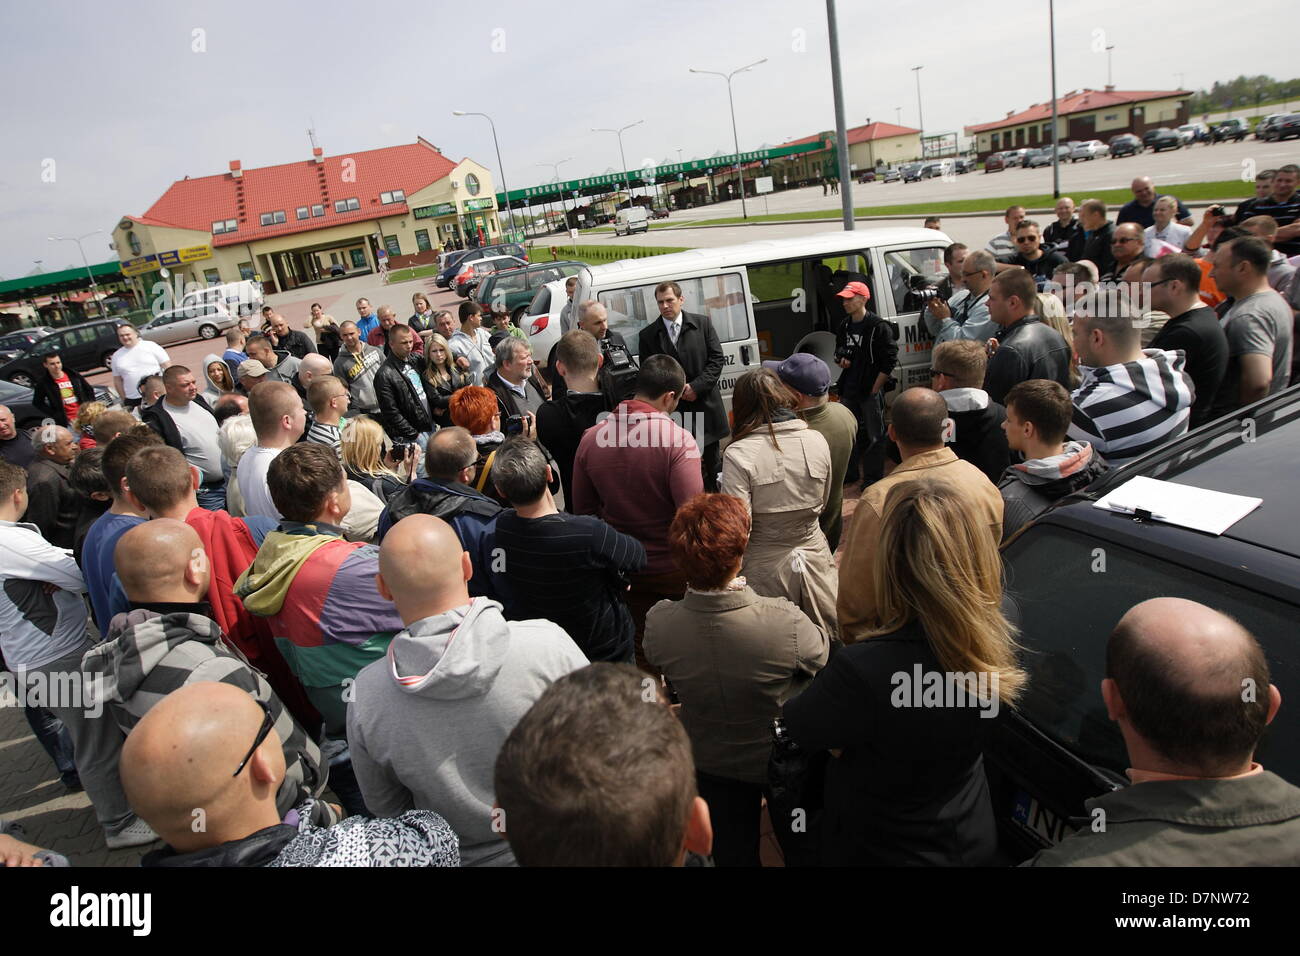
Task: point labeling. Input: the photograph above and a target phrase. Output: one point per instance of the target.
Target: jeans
(53, 735)
(96, 740)
(867, 460)
(212, 497)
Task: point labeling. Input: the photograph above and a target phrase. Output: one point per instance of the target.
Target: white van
(769, 299)
(240, 298)
(633, 219)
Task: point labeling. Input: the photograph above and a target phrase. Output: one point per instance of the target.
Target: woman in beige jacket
(781, 469)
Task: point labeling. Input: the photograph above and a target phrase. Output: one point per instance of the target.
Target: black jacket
(1025, 496)
(46, 397)
(156, 417)
(257, 849)
(908, 787)
(1057, 238)
(1200, 337)
(508, 401)
(561, 423)
(1028, 349)
(875, 353)
(400, 409)
(699, 350)
(297, 343)
(1094, 248)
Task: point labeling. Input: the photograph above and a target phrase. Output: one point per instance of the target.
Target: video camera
(619, 368)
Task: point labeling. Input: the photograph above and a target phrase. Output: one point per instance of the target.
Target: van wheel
(207, 331)
(21, 379)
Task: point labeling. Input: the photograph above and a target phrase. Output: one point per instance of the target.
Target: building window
(271, 218)
(346, 205)
(1047, 132)
(317, 211)
(302, 212)
(390, 243)
(246, 270)
(1112, 117)
(223, 226)
(472, 184)
(422, 240)
(212, 276)
(396, 195)
(995, 141)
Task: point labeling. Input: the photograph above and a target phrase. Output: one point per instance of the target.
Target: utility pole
(1056, 159)
(841, 132)
(740, 169)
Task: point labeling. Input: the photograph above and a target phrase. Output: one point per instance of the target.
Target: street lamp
(1109, 80)
(94, 287)
(898, 115)
(920, 117)
(740, 171)
(621, 157)
(501, 166)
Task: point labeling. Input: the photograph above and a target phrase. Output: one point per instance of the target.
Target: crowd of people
(388, 593)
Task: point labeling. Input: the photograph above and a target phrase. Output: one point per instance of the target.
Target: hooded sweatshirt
(328, 619)
(428, 720)
(212, 391)
(149, 654)
(1126, 410)
(1029, 488)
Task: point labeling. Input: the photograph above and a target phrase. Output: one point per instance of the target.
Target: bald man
(205, 753)
(1141, 209)
(920, 418)
(473, 689)
(311, 366)
(294, 341)
(1190, 690)
(15, 445)
(167, 639)
(279, 420)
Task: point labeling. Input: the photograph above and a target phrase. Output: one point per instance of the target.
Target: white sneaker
(138, 833)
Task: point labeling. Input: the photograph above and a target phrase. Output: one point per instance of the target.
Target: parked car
(14, 344)
(892, 175)
(866, 176)
(994, 162)
(656, 213)
(337, 269)
(514, 289)
(189, 323)
(1263, 126)
(911, 172)
(964, 164)
(1125, 144)
(1043, 157)
(87, 346)
(1088, 150)
(1284, 127)
(1192, 133)
(937, 169)
(238, 298)
(1077, 569)
(18, 399)
(462, 256)
(541, 318)
(1230, 129)
(1016, 157)
(473, 271)
(1160, 139)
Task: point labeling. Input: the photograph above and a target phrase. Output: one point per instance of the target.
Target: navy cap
(804, 372)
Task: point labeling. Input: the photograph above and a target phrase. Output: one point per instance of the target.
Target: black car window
(47, 345)
(1068, 607)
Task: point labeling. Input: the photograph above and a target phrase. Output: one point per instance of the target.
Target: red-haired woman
(733, 657)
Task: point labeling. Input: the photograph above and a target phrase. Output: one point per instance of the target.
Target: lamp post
(1056, 153)
(501, 166)
(621, 157)
(841, 132)
(94, 287)
(920, 116)
(740, 172)
(1109, 79)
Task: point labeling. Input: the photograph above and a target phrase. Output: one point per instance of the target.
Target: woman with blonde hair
(84, 424)
(781, 470)
(368, 458)
(444, 377)
(1052, 312)
(234, 438)
(913, 694)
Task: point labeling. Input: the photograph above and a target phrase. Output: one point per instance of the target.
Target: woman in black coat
(905, 712)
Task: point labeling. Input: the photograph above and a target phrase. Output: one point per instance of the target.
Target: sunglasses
(267, 723)
(1026, 238)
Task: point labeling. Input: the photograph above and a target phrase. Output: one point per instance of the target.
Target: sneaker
(137, 834)
(71, 782)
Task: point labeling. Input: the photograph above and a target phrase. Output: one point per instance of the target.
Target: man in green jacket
(1189, 688)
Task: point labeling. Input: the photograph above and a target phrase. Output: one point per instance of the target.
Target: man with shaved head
(1126, 245)
(167, 639)
(1190, 690)
(294, 341)
(185, 421)
(356, 365)
(920, 424)
(15, 445)
(279, 420)
(210, 746)
(1141, 209)
(427, 721)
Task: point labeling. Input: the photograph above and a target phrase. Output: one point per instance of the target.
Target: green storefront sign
(474, 204)
(434, 212)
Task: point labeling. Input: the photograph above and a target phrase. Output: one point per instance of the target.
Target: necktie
(672, 331)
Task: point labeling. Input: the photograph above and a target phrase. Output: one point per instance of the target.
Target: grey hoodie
(427, 721)
(1029, 488)
(213, 391)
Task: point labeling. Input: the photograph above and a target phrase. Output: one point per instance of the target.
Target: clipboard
(1200, 509)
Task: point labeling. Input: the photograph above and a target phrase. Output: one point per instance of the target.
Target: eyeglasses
(935, 373)
(1161, 282)
(267, 723)
(1026, 238)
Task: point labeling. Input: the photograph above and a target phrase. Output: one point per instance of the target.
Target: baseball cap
(855, 288)
(804, 372)
(252, 367)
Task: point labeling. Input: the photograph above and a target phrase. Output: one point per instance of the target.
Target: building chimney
(236, 168)
(1110, 88)
(1010, 113)
(318, 154)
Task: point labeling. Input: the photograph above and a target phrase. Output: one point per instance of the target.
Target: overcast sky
(117, 96)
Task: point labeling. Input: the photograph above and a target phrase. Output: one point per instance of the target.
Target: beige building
(1082, 115)
(870, 146)
(291, 225)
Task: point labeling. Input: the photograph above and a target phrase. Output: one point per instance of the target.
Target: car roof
(1227, 455)
(763, 250)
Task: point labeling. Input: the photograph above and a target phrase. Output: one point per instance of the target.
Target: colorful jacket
(318, 593)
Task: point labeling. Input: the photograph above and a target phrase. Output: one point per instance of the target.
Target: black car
(14, 344)
(84, 347)
(18, 399)
(1162, 138)
(1284, 127)
(1077, 569)
(1230, 129)
(1125, 144)
(457, 260)
(912, 172)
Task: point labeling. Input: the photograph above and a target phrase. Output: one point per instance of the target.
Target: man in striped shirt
(329, 399)
(1003, 247)
(1130, 400)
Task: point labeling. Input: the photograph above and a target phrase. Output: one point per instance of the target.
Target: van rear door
(903, 271)
(722, 294)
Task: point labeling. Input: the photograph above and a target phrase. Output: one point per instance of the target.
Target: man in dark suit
(691, 339)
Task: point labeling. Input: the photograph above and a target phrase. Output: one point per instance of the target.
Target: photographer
(617, 376)
(966, 314)
(866, 350)
(580, 400)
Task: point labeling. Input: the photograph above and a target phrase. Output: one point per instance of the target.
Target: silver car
(191, 322)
